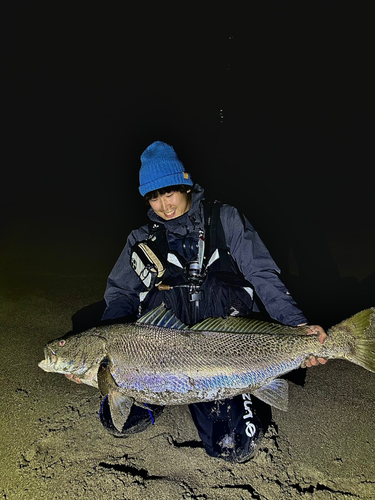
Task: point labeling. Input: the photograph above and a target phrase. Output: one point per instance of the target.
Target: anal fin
(275, 394)
(142, 405)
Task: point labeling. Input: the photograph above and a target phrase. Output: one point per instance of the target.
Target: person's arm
(258, 267)
(123, 284)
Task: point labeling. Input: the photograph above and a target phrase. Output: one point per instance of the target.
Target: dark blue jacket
(124, 288)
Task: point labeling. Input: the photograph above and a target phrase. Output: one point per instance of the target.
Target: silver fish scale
(167, 366)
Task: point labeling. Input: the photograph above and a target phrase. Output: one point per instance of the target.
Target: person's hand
(312, 360)
(71, 377)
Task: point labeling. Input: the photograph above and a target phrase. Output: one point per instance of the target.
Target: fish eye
(62, 342)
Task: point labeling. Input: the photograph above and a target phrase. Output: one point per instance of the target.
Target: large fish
(160, 360)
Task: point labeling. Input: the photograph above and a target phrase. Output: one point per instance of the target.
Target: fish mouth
(49, 361)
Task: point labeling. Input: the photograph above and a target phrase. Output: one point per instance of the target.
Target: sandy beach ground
(53, 445)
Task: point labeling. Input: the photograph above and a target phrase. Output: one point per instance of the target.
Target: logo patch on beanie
(186, 175)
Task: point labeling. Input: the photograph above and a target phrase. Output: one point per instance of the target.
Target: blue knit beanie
(160, 168)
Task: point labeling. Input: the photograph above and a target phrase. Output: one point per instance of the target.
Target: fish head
(75, 354)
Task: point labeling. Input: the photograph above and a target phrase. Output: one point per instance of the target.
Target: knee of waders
(230, 429)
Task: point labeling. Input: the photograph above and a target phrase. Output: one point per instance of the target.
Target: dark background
(270, 107)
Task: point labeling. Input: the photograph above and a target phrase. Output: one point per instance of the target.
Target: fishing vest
(208, 285)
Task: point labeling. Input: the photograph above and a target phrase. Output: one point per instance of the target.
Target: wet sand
(53, 445)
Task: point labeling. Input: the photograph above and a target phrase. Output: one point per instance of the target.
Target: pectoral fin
(275, 394)
(106, 382)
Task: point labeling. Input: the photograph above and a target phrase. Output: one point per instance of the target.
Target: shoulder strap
(157, 234)
(158, 238)
(218, 236)
(215, 240)
(207, 225)
(215, 237)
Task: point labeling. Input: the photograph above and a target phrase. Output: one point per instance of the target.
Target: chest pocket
(148, 263)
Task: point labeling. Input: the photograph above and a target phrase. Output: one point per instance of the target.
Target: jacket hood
(190, 221)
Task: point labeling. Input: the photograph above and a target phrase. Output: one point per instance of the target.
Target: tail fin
(362, 327)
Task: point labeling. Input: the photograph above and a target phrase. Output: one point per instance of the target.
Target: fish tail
(361, 328)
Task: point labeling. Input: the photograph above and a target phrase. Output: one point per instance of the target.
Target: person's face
(171, 205)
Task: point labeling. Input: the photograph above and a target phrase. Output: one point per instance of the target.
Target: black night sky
(269, 105)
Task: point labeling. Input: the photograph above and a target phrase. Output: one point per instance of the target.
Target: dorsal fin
(246, 325)
(165, 318)
(162, 317)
